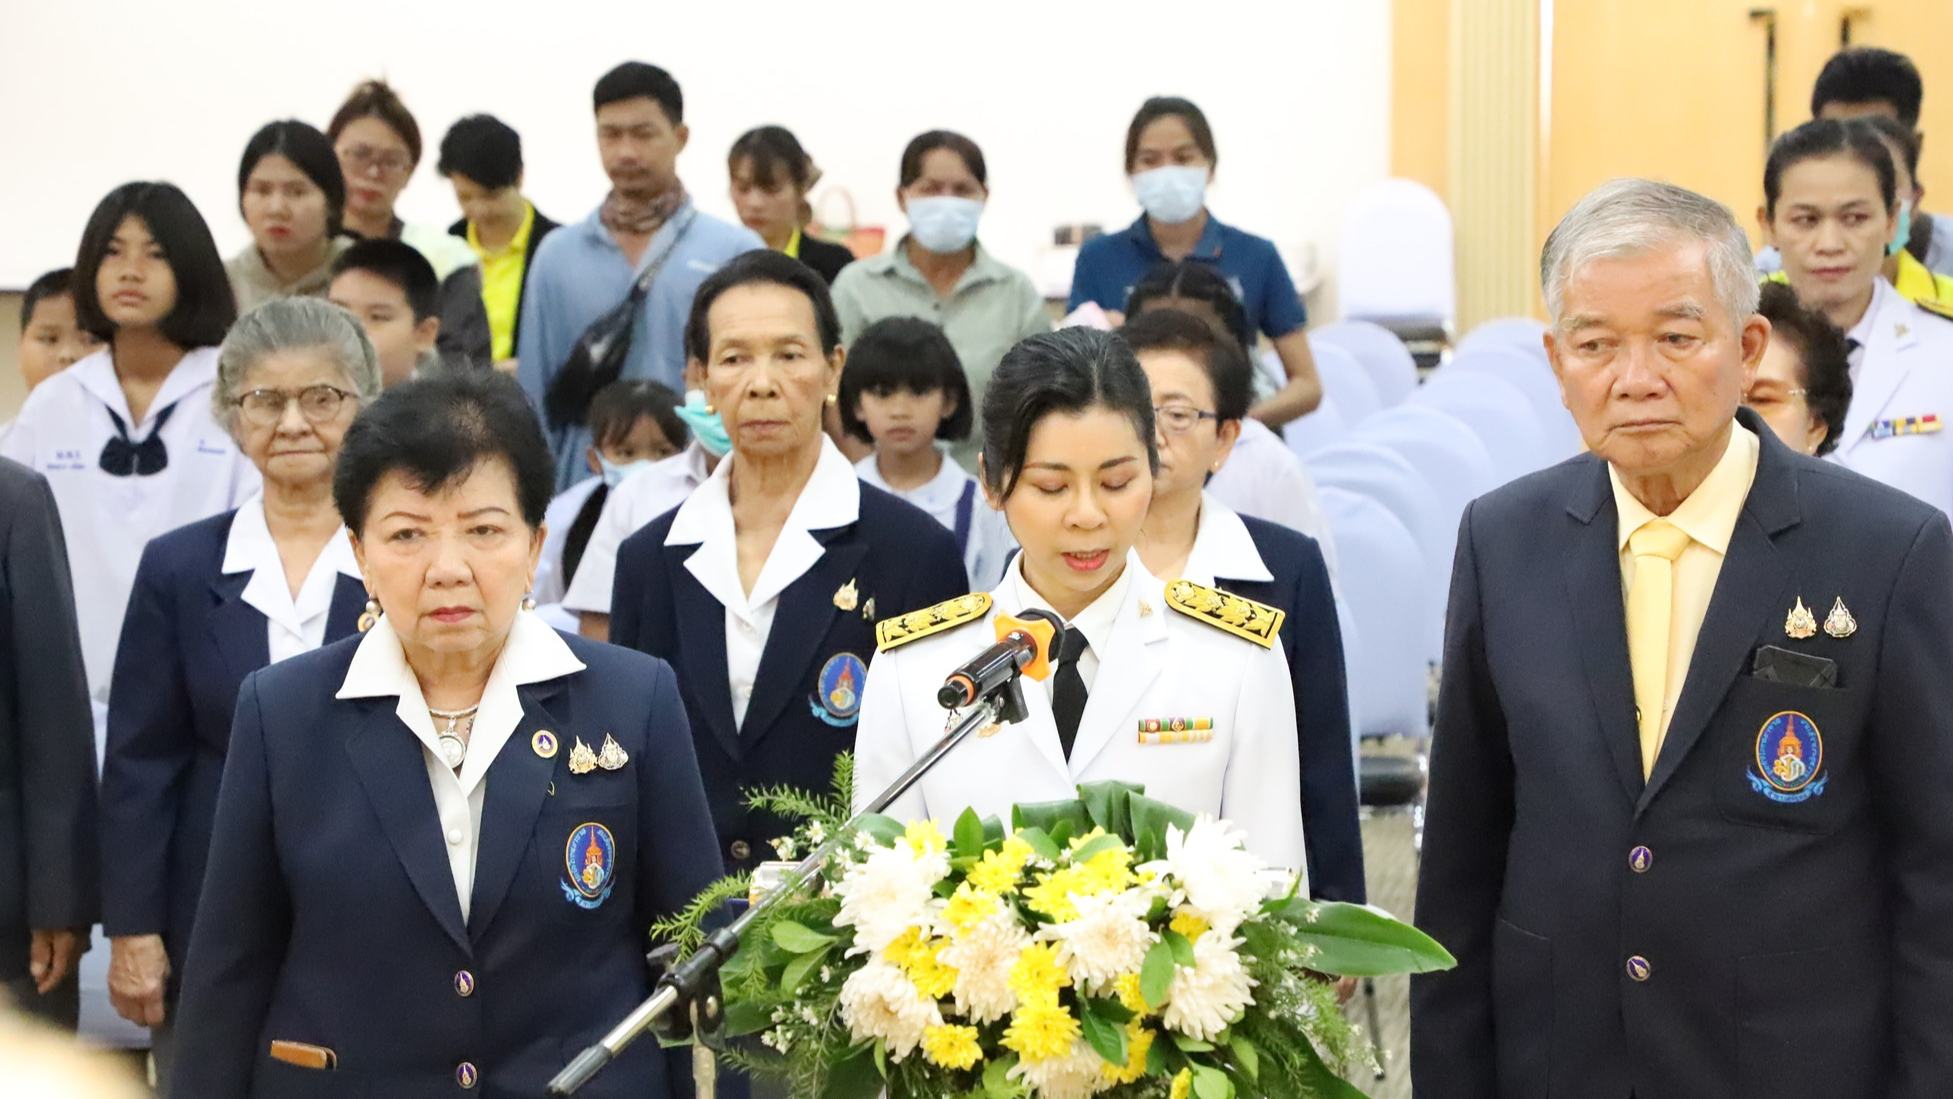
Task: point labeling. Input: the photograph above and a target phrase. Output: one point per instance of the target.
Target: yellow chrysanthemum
(1127, 989)
(1188, 924)
(1040, 1030)
(1182, 1084)
(1052, 894)
(1080, 841)
(998, 870)
(919, 958)
(1109, 870)
(1036, 975)
(968, 905)
(924, 837)
(951, 1046)
(1138, 1041)
(903, 949)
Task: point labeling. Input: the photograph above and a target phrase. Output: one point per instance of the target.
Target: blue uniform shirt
(1109, 266)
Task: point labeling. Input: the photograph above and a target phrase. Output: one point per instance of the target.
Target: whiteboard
(94, 93)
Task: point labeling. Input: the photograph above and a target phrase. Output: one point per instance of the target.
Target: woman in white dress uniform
(1181, 688)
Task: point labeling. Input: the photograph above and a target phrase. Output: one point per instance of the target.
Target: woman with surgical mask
(1170, 159)
(939, 272)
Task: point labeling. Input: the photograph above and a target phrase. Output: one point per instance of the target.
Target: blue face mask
(1905, 230)
(707, 427)
(1173, 194)
(944, 224)
(615, 472)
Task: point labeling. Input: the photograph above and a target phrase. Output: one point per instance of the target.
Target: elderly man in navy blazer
(1690, 832)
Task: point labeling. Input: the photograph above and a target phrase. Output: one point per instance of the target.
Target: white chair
(1381, 353)
(1496, 411)
(1318, 429)
(1394, 260)
(1387, 477)
(1344, 378)
(1532, 377)
(1519, 333)
(1386, 660)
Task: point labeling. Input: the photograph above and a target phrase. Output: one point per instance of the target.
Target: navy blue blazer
(1313, 643)
(898, 558)
(1756, 918)
(330, 916)
(188, 641)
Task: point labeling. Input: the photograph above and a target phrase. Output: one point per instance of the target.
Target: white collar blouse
(293, 624)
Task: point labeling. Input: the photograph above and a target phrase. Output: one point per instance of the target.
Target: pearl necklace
(454, 750)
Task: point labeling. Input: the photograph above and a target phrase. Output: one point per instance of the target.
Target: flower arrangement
(1106, 946)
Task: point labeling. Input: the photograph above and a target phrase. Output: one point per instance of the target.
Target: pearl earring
(372, 616)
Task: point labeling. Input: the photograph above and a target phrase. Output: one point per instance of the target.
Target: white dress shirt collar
(831, 498)
(938, 496)
(1223, 548)
(96, 374)
(250, 548)
(1095, 621)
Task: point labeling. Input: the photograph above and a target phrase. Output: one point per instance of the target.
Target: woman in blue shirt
(1170, 156)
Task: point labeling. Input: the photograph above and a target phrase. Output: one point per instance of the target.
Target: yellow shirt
(1913, 280)
(1708, 517)
(501, 282)
(793, 245)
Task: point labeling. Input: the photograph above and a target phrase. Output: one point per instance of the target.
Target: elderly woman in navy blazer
(439, 845)
(214, 602)
(763, 588)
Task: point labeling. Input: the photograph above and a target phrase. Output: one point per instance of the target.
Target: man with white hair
(1691, 814)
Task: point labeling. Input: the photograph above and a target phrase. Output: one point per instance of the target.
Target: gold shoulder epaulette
(894, 632)
(1936, 307)
(1225, 610)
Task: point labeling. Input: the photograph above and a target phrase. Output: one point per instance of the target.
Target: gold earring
(711, 411)
(833, 398)
(372, 616)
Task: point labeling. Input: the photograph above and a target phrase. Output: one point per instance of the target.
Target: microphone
(1023, 643)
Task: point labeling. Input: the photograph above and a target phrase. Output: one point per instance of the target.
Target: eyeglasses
(1763, 402)
(318, 403)
(1178, 419)
(366, 157)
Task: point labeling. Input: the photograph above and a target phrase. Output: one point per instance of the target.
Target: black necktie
(123, 456)
(1068, 687)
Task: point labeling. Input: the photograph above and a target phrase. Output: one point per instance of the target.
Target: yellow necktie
(1650, 607)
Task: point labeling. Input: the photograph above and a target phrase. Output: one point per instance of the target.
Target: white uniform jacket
(1899, 429)
(1158, 665)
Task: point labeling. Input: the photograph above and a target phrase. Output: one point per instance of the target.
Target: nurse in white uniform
(1830, 208)
(1181, 688)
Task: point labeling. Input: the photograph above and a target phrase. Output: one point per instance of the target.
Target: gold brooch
(1800, 623)
(582, 759)
(847, 596)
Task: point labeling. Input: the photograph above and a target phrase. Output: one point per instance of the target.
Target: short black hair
(483, 148)
(1826, 137)
(774, 151)
(1227, 368)
(377, 99)
(618, 407)
(1821, 348)
(1896, 135)
(309, 151)
(52, 284)
(205, 307)
(400, 264)
(1867, 74)
(1171, 106)
(924, 144)
(437, 429)
(637, 80)
(1059, 373)
(905, 353)
(1194, 280)
(750, 268)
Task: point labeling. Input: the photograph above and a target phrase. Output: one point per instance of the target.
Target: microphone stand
(693, 984)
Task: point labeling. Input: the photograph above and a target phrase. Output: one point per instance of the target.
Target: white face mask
(944, 223)
(1173, 194)
(615, 473)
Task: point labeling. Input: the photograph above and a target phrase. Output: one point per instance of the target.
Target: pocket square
(303, 1055)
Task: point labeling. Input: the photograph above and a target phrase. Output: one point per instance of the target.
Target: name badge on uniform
(590, 861)
(837, 693)
(1906, 425)
(1789, 759)
(1176, 730)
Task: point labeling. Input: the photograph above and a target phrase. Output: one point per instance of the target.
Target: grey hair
(1629, 217)
(291, 324)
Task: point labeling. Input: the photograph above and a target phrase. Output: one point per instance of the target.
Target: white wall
(94, 93)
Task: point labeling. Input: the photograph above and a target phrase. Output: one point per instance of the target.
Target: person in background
(762, 589)
(771, 175)
(391, 288)
(633, 427)
(1914, 281)
(438, 845)
(1170, 158)
(905, 393)
(50, 340)
(290, 192)
(586, 271)
(48, 843)
(1865, 81)
(378, 143)
(214, 601)
(940, 272)
(1262, 478)
(1803, 387)
(1201, 384)
(481, 158)
(1831, 208)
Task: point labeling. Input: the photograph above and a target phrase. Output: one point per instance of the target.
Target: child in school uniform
(904, 390)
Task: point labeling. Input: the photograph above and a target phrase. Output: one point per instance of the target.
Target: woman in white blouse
(213, 602)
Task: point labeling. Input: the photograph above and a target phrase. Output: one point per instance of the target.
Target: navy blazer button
(464, 984)
(1640, 859)
(741, 849)
(1639, 969)
(465, 1075)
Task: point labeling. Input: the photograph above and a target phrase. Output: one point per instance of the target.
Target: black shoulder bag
(597, 357)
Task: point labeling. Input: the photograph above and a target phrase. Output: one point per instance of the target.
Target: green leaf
(1181, 946)
(1211, 1083)
(881, 1058)
(1354, 940)
(1246, 1053)
(1061, 832)
(1188, 1044)
(1315, 1078)
(1105, 1036)
(1110, 804)
(798, 938)
(1095, 845)
(1156, 1059)
(993, 832)
(1149, 820)
(968, 840)
(744, 1017)
(1046, 815)
(798, 969)
(996, 1077)
(884, 830)
(1039, 842)
(1109, 1010)
(1156, 974)
(852, 1077)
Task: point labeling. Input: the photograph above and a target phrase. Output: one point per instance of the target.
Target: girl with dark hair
(1069, 457)
(292, 196)
(1831, 208)
(1170, 159)
(771, 175)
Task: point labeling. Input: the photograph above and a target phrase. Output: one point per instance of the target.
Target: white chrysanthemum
(886, 893)
(1213, 872)
(1209, 996)
(879, 1001)
(982, 959)
(1079, 1074)
(1109, 937)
